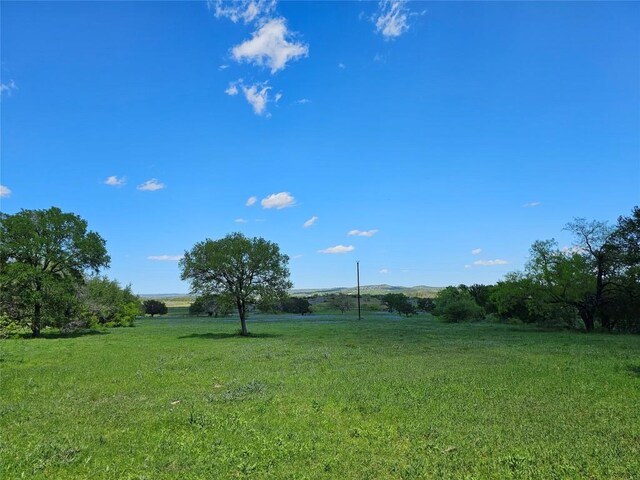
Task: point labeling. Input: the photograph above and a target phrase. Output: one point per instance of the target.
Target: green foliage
(597, 280)
(109, 304)
(44, 255)
(426, 305)
(341, 302)
(398, 302)
(155, 307)
(455, 304)
(296, 305)
(245, 269)
(211, 305)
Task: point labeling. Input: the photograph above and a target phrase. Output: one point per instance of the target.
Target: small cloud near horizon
(310, 222)
(151, 185)
(362, 233)
(384, 271)
(531, 204)
(476, 251)
(5, 192)
(165, 258)
(114, 181)
(490, 263)
(338, 249)
(240, 220)
(278, 201)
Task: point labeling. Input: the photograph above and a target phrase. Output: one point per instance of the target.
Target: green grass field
(321, 396)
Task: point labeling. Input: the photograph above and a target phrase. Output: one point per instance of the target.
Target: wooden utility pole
(358, 276)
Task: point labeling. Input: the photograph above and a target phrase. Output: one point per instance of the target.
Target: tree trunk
(35, 324)
(243, 317)
(587, 318)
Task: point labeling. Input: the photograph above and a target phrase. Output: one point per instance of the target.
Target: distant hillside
(422, 291)
(417, 291)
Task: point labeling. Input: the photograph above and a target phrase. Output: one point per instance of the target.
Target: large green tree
(44, 256)
(245, 269)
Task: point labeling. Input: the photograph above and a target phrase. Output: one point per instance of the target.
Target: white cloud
(165, 258)
(338, 249)
(467, 266)
(8, 87)
(277, 97)
(251, 201)
(245, 10)
(531, 204)
(302, 101)
(379, 58)
(476, 251)
(384, 271)
(151, 185)
(342, 65)
(391, 18)
(258, 96)
(269, 46)
(5, 192)
(223, 67)
(490, 263)
(278, 201)
(240, 220)
(295, 257)
(362, 233)
(114, 181)
(310, 222)
(232, 90)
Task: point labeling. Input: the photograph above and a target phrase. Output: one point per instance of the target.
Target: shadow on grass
(56, 335)
(634, 370)
(220, 336)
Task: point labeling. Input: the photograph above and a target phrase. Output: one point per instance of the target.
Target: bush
(461, 310)
(457, 305)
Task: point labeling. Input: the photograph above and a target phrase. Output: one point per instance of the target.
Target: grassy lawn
(320, 396)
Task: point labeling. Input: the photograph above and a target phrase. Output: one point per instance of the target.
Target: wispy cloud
(295, 257)
(223, 67)
(278, 201)
(114, 181)
(7, 88)
(165, 258)
(342, 66)
(476, 251)
(310, 222)
(5, 192)
(271, 45)
(277, 97)
(258, 96)
(362, 233)
(232, 90)
(338, 249)
(302, 101)
(392, 18)
(531, 204)
(251, 201)
(151, 185)
(383, 271)
(245, 10)
(490, 263)
(240, 220)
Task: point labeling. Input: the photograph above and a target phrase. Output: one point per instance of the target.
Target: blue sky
(445, 137)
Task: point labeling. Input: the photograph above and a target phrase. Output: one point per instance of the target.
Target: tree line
(50, 264)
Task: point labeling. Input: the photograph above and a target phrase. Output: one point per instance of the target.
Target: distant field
(320, 396)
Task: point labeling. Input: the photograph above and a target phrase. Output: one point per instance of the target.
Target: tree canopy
(44, 256)
(245, 269)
